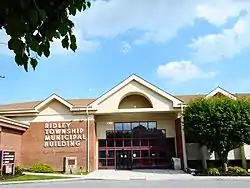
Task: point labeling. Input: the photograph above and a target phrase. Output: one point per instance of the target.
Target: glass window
(144, 125)
(102, 162)
(111, 154)
(119, 143)
(144, 142)
(127, 134)
(110, 143)
(136, 154)
(102, 154)
(118, 134)
(109, 134)
(102, 143)
(144, 153)
(126, 127)
(127, 143)
(151, 125)
(134, 125)
(136, 142)
(118, 126)
(111, 162)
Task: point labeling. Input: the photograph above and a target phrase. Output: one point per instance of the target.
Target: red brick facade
(11, 139)
(33, 150)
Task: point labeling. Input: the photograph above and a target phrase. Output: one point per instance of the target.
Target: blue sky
(183, 48)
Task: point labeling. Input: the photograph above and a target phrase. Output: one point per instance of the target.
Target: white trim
(53, 97)
(133, 77)
(222, 91)
(12, 111)
(14, 122)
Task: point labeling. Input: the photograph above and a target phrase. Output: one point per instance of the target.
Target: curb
(41, 181)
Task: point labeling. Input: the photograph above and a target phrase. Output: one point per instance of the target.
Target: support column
(181, 149)
(243, 157)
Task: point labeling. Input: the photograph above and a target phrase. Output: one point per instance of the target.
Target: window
(118, 126)
(151, 125)
(144, 125)
(102, 154)
(126, 127)
(135, 125)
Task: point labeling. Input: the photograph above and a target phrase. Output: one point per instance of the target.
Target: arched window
(135, 101)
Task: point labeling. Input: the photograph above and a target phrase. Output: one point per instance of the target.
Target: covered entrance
(136, 145)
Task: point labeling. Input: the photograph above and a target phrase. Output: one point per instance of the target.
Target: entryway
(123, 160)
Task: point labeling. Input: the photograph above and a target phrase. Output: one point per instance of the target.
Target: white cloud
(4, 38)
(156, 21)
(218, 12)
(126, 47)
(227, 44)
(182, 71)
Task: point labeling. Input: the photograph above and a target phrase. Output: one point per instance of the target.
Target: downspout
(87, 112)
(183, 140)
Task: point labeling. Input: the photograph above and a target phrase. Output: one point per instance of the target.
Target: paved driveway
(136, 184)
(138, 175)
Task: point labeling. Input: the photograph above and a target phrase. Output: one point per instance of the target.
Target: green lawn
(32, 177)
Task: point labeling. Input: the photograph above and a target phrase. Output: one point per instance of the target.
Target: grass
(81, 173)
(31, 177)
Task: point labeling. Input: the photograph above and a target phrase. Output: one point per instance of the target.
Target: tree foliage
(33, 25)
(219, 123)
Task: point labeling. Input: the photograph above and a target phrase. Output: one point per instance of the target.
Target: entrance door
(123, 160)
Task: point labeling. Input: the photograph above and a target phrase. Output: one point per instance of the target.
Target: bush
(41, 168)
(18, 170)
(237, 170)
(213, 171)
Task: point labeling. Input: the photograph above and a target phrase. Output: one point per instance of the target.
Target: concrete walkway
(138, 175)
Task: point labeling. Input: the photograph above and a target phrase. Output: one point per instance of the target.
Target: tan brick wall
(11, 139)
(33, 150)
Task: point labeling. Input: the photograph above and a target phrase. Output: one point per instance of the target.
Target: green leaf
(40, 52)
(73, 45)
(78, 4)
(33, 63)
(34, 45)
(25, 3)
(46, 52)
(33, 16)
(57, 35)
(16, 45)
(63, 29)
(65, 42)
(89, 4)
(72, 10)
(19, 59)
(42, 13)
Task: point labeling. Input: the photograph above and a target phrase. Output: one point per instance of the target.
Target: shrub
(41, 168)
(237, 170)
(213, 171)
(18, 170)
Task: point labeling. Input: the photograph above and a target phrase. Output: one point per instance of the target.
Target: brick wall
(33, 150)
(11, 139)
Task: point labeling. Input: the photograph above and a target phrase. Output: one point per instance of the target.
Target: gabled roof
(133, 77)
(51, 98)
(221, 91)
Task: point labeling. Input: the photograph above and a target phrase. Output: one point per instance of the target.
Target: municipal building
(134, 125)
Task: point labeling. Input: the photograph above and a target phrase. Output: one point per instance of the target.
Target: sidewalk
(112, 175)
